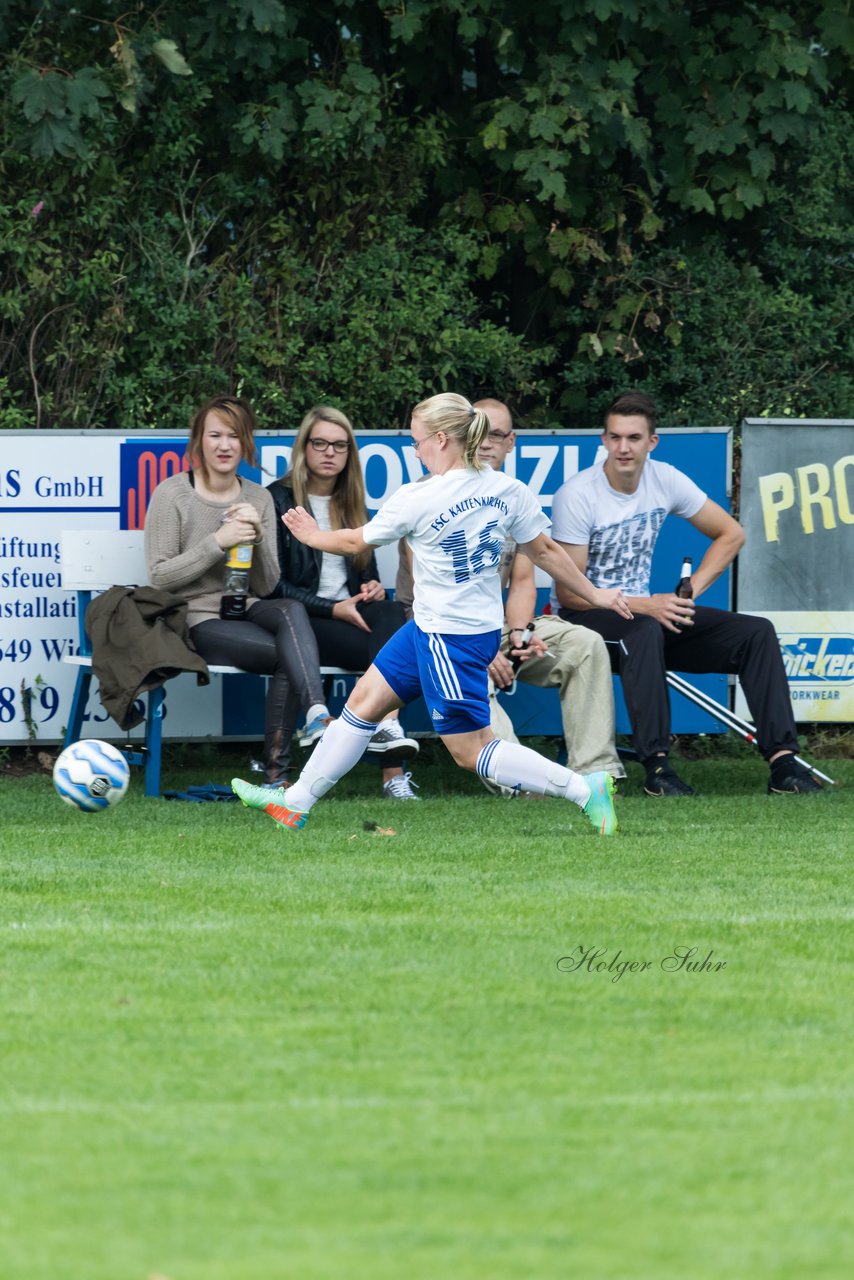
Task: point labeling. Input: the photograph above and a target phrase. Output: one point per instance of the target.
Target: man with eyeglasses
(572, 659)
(559, 655)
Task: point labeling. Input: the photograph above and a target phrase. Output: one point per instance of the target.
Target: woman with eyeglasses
(343, 598)
(193, 520)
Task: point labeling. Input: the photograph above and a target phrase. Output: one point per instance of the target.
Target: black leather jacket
(300, 565)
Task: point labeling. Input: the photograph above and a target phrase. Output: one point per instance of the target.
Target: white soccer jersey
(620, 529)
(456, 524)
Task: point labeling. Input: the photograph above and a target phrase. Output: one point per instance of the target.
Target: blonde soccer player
(455, 523)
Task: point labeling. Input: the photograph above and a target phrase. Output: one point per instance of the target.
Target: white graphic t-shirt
(620, 529)
(456, 525)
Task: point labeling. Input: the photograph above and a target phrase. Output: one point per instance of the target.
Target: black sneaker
(390, 747)
(663, 781)
(794, 780)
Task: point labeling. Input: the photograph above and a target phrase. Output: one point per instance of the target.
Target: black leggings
(340, 644)
(275, 639)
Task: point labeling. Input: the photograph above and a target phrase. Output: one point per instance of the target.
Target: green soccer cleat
(599, 809)
(272, 802)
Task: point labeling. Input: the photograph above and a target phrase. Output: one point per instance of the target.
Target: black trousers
(276, 640)
(642, 651)
(342, 645)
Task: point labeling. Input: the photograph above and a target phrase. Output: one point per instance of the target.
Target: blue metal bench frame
(150, 754)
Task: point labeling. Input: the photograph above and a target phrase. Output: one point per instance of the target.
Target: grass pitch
(236, 1053)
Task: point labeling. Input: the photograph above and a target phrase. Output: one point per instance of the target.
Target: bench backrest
(94, 559)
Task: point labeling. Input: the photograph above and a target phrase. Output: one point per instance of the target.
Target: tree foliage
(366, 202)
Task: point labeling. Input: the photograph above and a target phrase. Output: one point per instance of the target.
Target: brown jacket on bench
(139, 640)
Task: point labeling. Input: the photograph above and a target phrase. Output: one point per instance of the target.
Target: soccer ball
(91, 775)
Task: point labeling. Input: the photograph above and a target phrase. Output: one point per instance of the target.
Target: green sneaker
(272, 802)
(599, 809)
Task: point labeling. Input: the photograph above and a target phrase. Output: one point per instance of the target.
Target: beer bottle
(684, 587)
(528, 632)
(235, 589)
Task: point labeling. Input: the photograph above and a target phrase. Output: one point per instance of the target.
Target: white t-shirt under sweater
(333, 568)
(620, 529)
(456, 525)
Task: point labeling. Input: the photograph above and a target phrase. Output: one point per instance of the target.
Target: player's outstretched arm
(341, 542)
(553, 560)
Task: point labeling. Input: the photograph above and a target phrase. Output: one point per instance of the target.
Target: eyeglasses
(323, 446)
(498, 436)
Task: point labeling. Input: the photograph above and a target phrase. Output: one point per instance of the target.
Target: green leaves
(267, 17)
(836, 27)
(344, 118)
(54, 107)
(546, 153)
(132, 79)
(84, 93)
(54, 103)
(54, 96)
(269, 127)
(167, 52)
(698, 199)
(38, 95)
(590, 345)
(797, 96)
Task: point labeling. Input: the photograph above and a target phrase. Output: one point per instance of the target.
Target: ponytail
(454, 415)
(477, 433)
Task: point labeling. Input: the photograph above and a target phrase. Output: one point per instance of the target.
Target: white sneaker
(400, 788)
(508, 793)
(392, 726)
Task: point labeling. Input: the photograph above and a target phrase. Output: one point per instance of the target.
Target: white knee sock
(518, 767)
(341, 747)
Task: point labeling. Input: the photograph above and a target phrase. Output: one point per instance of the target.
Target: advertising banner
(56, 480)
(797, 508)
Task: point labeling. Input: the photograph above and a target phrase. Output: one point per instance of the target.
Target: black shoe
(795, 780)
(390, 747)
(663, 781)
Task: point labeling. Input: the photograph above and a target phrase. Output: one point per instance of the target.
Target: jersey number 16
(468, 566)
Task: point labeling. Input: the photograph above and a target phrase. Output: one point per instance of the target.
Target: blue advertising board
(543, 461)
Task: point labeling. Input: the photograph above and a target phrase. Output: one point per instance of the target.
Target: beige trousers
(581, 671)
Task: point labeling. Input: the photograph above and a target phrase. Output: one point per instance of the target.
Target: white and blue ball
(91, 775)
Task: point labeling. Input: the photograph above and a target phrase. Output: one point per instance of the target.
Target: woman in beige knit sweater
(193, 520)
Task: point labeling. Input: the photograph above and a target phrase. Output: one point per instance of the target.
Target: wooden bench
(92, 561)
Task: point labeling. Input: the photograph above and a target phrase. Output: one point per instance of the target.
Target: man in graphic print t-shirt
(608, 518)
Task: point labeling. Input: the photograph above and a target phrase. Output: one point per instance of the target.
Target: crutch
(729, 718)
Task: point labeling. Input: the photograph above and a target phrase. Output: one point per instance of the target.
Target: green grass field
(235, 1053)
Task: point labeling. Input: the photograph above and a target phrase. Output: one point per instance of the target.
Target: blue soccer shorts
(449, 670)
